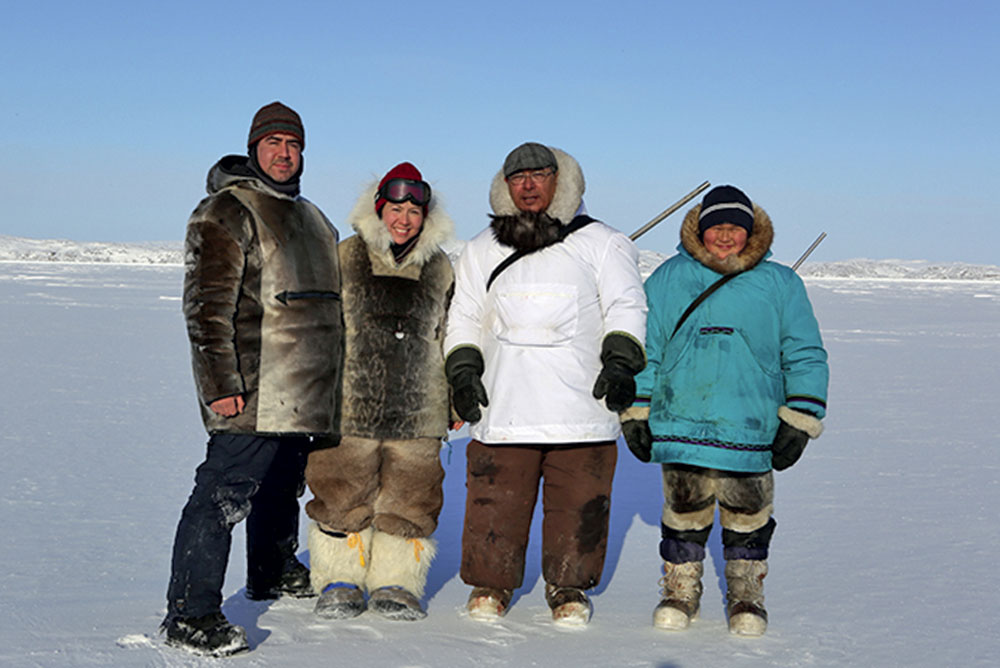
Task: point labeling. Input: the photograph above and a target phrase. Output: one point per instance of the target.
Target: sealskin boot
(570, 605)
(396, 603)
(340, 600)
(680, 595)
(745, 596)
(487, 604)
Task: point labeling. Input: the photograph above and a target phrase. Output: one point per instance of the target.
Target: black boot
(293, 581)
(211, 634)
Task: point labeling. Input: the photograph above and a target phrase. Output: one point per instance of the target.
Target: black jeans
(244, 476)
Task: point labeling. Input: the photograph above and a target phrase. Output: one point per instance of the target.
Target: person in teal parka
(736, 388)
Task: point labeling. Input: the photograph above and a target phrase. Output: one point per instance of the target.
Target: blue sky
(873, 121)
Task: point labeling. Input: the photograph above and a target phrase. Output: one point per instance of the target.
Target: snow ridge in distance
(19, 249)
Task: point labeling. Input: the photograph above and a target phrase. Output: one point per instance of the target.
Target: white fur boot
(398, 574)
(338, 568)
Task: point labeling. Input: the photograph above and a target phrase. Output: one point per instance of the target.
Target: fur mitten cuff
(634, 413)
(807, 423)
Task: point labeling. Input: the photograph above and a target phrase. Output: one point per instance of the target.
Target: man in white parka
(545, 333)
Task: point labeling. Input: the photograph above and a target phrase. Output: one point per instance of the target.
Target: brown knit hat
(274, 118)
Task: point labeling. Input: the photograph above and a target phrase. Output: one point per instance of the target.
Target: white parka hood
(566, 201)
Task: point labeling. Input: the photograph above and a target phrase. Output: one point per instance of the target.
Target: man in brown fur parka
(378, 494)
(262, 304)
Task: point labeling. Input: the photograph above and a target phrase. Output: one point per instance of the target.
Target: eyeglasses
(400, 190)
(537, 176)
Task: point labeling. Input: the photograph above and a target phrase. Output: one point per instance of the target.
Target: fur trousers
(746, 502)
(394, 486)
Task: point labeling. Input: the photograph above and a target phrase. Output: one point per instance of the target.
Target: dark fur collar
(525, 230)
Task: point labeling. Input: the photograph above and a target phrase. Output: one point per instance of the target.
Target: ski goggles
(400, 190)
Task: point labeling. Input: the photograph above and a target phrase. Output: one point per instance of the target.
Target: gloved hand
(464, 368)
(787, 447)
(638, 438)
(622, 358)
(794, 431)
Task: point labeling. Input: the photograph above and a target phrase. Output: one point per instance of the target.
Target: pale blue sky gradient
(873, 121)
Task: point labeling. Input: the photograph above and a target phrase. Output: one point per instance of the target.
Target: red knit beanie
(274, 118)
(403, 170)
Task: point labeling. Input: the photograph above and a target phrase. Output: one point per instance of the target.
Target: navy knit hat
(274, 118)
(725, 204)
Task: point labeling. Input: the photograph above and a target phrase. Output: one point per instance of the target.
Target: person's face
(403, 220)
(280, 156)
(533, 189)
(725, 240)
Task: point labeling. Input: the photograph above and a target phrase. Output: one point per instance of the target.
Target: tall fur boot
(398, 574)
(339, 565)
(745, 596)
(680, 599)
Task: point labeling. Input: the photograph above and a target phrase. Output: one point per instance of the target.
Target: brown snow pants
(502, 487)
(393, 485)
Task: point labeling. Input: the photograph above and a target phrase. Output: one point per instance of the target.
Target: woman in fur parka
(736, 388)
(379, 492)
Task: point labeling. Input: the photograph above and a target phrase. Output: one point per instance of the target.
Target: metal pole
(809, 251)
(681, 202)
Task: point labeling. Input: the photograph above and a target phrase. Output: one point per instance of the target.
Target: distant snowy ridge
(18, 249)
(910, 269)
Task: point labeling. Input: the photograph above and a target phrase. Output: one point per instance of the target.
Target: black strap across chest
(566, 230)
(702, 297)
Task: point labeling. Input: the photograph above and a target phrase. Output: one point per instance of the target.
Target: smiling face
(725, 240)
(533, 190)
(280, 156)
(403, 220)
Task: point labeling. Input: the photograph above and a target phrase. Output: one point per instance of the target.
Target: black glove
(464, 367)
(788, 445)
(639, 439)
(622, 358)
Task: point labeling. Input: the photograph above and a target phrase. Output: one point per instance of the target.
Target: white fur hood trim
(438, 228)
(565, 203)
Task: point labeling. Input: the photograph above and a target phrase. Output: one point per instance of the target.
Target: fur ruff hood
(566, 201)
(438, 228)
(758, 243)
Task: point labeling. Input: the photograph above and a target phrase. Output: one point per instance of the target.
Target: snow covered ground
(885, 552)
